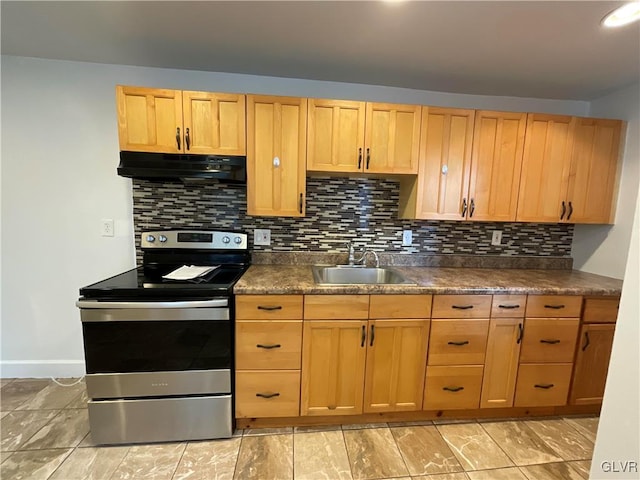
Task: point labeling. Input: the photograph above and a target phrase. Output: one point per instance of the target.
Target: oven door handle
(218, 302)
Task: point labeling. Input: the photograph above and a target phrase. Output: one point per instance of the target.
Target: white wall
(602, 249)
(59, 155)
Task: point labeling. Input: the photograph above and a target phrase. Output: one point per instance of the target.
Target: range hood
(156, 166)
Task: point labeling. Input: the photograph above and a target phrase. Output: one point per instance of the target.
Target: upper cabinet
(569, 169)
(276, 147)
(174, 121)
(346, 136)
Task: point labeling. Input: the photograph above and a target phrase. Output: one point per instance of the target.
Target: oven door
(157, 348)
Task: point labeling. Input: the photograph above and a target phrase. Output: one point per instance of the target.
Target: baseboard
(41, 368)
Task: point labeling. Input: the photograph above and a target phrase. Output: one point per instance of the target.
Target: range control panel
(195, 239)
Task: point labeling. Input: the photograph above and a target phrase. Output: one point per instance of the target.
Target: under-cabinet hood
(173, 165)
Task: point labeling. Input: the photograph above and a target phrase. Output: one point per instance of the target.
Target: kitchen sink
(355, 275)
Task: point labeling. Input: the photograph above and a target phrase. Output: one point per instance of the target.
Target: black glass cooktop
(137, 285)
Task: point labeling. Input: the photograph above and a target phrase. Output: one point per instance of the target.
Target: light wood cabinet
(452, 387)
(458, 341)
(333, 365)
(569, 170)
(347, 136)
(592, 363)
(276, 155)
(395, 365)
(543, 384)
(174, 121)
(594, 170)
(267, 393)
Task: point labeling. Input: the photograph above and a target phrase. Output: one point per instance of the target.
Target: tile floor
(45, 435)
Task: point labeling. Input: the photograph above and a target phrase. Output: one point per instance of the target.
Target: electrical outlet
(496, 237)
(107, 227)
(262, 236)
(407, 238)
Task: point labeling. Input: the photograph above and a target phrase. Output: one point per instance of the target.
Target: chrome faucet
(353, 261)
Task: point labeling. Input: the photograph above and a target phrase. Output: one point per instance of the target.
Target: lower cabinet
(452, 386)
(543, 384)
(592, 363)
(267, 393)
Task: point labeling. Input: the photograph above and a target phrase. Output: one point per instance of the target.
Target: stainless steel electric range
(159, 351)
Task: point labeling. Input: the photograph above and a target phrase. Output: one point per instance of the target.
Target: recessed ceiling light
(622, 16)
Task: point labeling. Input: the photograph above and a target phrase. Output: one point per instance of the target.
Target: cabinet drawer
(600, 310)
(461, 306)
(267, 393)
(458, 342)
(553, 306)
(508, 306)
(542, 385)
(341, 307)
(269, 307)
(400, 306)
(549, 340)
(268, 345)
(452, 387)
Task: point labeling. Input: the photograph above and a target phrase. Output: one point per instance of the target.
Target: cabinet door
(445, 159)
(149, 120)
(395, 367)
(594, 166)
(276, 164)
(335, 140)
(496, 162)
(214, 123)
(333, 361)
(501, 363)
(392, 138)
(545, 168)
(592, 364)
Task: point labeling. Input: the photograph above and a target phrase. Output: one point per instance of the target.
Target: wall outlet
(107, 227)
(407, 238)
(262, 236)
(496, 237)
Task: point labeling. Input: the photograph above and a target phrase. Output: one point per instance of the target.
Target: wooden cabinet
(268, 355)
(548, 346)
(174, 121)
(594, 350)
(333, 363)
(347, 136)
(276, 155)
(569, 169)
(503, 351)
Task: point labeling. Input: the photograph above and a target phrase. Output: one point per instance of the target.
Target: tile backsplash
(364, 210)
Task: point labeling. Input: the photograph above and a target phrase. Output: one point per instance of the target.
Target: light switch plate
(107, 229)
(262, 236)
(496, 237)
(407, 238)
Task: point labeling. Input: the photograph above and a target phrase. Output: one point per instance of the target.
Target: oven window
(150, 346)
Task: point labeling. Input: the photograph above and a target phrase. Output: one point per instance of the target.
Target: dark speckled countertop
(298, 279)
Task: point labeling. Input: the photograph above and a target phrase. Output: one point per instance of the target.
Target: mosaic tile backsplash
(363, 210)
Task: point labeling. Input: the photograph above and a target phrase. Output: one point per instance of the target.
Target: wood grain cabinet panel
(276, 155)
(545, 306)
(461, 306)
(549, 340)
(400, 306)
(542, 384)
(592, 364)
(149, 119)
(267, 393)
(328, 307)
(600, 310)
(458, 341)
(395, 366)
(508, 306)
(452, 387)
(269, 307)
(268, 345)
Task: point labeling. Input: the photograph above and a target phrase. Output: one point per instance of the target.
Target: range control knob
(151, 238)
(225, 239)
(238, 240)
(162, 239)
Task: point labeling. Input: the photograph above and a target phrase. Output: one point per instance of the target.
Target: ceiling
(538, 49)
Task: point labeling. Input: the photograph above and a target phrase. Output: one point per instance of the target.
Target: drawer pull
(364, 336)
(373, 335)
(459, 344)
(453, 389)
(520, 333)
(550, 342)
(267, 395)
(270, 308)
(586, 341)
(546, 386)
(268, 347)
(509, 307)
(554, 307)
(462, 307)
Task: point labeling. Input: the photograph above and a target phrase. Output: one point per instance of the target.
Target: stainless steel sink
(356, 275)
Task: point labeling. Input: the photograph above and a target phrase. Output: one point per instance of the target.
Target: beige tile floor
(45, 435)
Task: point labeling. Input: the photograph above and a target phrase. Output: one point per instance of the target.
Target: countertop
(298, 279)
